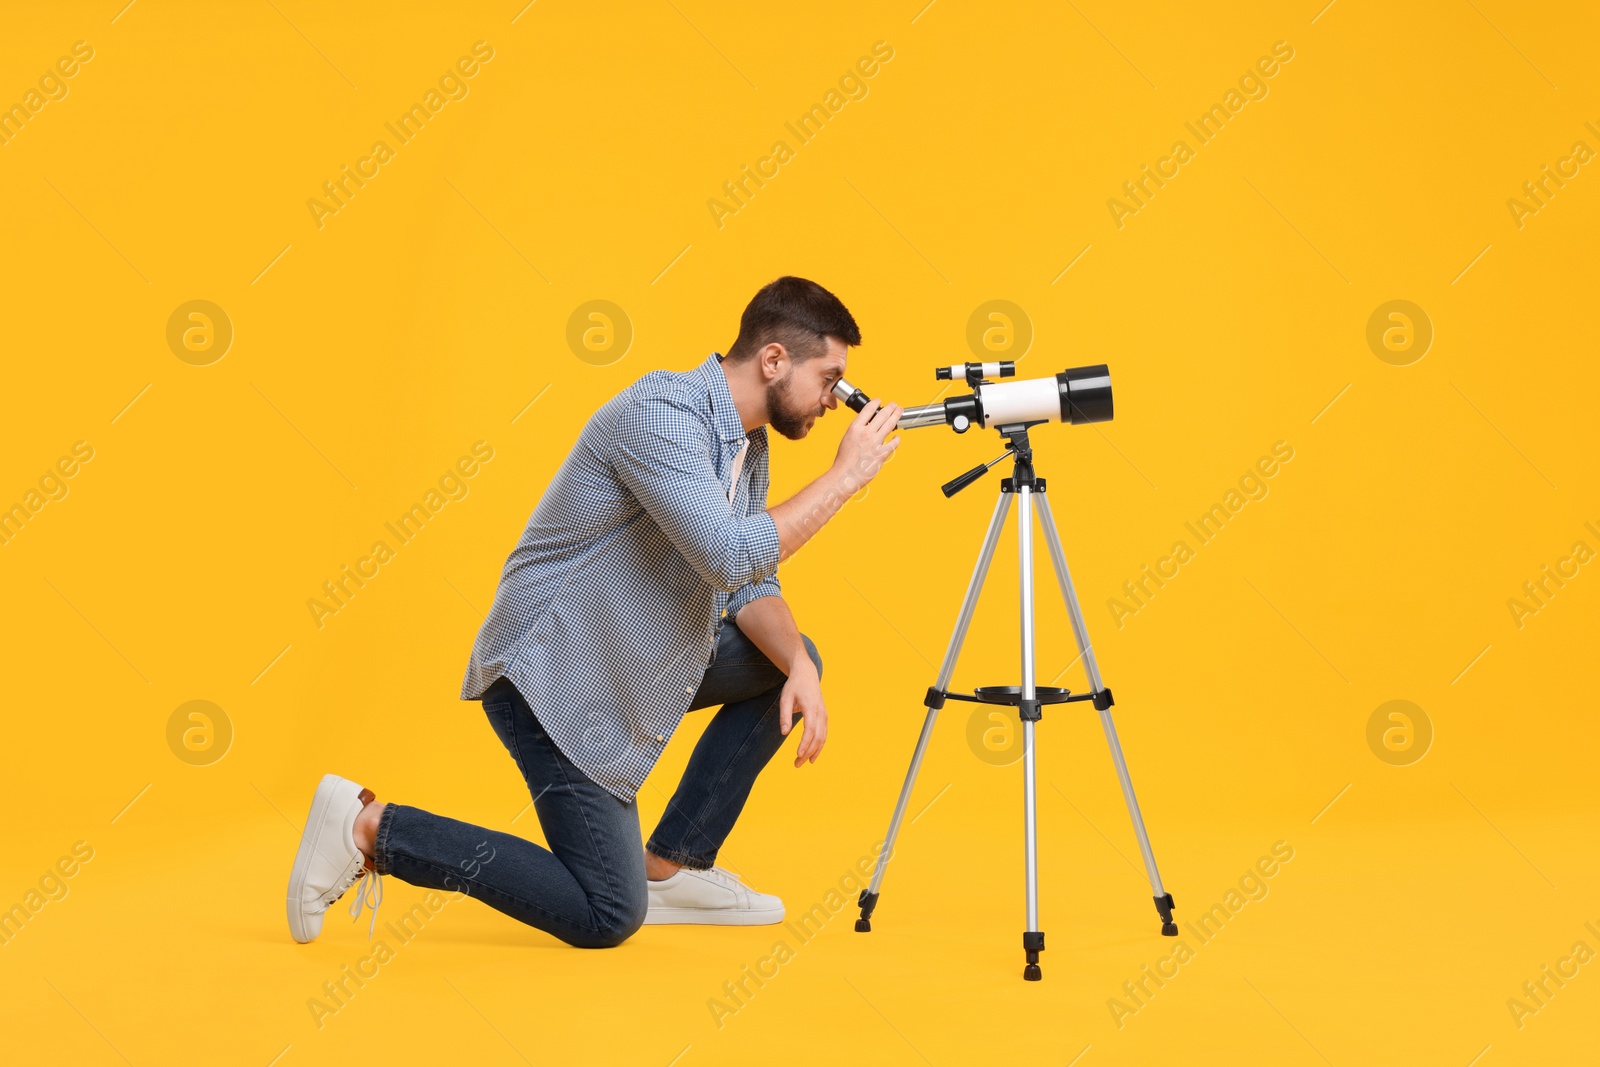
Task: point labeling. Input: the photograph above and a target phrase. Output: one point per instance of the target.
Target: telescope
(1076, 396)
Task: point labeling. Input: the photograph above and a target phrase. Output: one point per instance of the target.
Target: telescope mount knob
(960, 423)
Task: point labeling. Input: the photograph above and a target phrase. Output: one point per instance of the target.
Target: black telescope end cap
(1085, 394)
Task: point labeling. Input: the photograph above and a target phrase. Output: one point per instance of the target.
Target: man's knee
(811, 650)
(615, 924)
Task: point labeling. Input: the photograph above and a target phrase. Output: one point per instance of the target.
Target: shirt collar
(729, 425)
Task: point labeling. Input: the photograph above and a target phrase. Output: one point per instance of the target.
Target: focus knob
(960, 423)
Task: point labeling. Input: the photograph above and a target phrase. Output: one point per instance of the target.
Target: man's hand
(802, 695)
(863, 451)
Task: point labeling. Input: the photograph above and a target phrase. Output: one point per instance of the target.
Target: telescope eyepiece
(849, 395)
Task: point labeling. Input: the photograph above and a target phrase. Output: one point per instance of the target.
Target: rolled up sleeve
(766, 586)
(753, 591)
(662, 453)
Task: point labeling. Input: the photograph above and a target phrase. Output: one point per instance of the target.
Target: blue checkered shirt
(607, 610)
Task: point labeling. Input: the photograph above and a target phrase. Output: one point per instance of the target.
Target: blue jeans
(588, 888)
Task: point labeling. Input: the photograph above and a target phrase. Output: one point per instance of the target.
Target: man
(605, 630)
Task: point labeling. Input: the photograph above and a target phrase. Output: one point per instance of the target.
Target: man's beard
(786, 416)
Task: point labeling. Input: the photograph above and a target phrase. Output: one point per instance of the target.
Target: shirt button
(689, 689)
(662, 738)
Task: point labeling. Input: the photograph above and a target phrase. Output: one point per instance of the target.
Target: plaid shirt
(606, 614)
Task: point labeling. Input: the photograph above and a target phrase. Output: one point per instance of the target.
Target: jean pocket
(502, 717)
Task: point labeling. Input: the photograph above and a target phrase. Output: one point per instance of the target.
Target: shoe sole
(309, 840)
(712, 917)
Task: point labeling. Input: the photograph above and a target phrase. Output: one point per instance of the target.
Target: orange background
(432, 311)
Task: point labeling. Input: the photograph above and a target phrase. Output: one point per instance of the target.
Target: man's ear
(773, 358)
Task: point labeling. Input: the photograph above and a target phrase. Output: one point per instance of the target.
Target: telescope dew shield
(1085, 394)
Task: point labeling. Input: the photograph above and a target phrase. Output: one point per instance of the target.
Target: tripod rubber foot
(1164, 906)
(1031, 973)
(864, 926)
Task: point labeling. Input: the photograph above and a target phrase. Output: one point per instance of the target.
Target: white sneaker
(710, 898)
(328, 862)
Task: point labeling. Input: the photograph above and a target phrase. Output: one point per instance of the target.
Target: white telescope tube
(1075, 396)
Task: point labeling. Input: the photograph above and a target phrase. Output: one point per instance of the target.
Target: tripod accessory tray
(1012, 694)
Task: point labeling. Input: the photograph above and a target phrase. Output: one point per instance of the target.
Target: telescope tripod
(1029, 489)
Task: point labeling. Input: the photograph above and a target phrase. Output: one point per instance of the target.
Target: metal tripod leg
(1102, 702)
(1032, 937)
(869, 896)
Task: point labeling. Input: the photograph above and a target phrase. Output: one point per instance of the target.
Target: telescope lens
(1085, 394)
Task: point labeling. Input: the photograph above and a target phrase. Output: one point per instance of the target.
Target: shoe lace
(369, 893)
(726, 877)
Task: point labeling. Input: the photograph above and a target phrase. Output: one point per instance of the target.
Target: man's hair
(796, 313)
